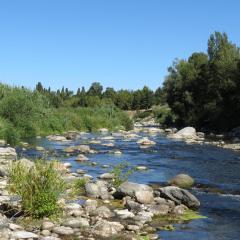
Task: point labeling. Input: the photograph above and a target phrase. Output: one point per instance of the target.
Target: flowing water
(215, 170)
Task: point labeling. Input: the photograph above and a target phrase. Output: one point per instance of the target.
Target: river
(215, 170)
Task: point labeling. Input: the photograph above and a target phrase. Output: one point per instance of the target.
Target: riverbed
(216, 172)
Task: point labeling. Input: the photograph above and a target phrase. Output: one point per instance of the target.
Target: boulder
(130, 189)
(179, 196)
(98, 189)
(76, 222)
(182, 181)
(187, 133)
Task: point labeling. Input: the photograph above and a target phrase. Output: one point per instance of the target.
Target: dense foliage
(204, 91)
(25, 113)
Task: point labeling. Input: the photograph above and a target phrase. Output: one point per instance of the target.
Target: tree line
(95, 96)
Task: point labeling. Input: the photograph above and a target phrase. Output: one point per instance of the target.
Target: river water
(215, 170)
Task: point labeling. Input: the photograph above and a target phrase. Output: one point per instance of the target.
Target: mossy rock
(182, 181)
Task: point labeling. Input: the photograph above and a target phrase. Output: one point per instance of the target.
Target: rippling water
(215, 170)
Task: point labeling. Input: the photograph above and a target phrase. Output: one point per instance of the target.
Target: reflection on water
(211, 167)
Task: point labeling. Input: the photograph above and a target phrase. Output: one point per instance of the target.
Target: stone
(67, 165)
(77, 223)
(39, 148)
(185, 133)
(105, 229)
(107, 176)
(144, 197)
(92, 190)
(81, 158)
(159, 209)
(130, 189)
(182, 181)
(103, 212)
(61, 230)
(7, 154)
(83, 148)
(57, 138)
(132, 205)
(144, 216)
(45, 233)
(145, 141)
(124, 214)
(134, 228)
(47, 225)
(24, 235)
(180, 209)
(98, 189)
(80, 171)
(179, 196)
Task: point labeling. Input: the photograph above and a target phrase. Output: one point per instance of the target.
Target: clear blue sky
(124, 43)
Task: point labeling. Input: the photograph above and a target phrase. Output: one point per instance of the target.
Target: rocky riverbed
(144, 207)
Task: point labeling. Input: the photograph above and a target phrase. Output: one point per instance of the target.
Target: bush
(8, 133)
(164, 115)
(144, 114)
(121, 173)
(39, 187)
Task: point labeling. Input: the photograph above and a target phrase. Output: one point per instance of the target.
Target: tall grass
(39, 187)
(25, 113)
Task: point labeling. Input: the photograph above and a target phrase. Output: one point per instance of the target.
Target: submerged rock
(81, 158)
(145, 142)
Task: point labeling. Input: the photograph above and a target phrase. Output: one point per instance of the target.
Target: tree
(95, 89)
(39, 87)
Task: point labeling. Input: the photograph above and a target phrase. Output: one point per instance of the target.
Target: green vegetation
(25, 113)
(79, 186)
(39, 187)
(121, 172)
(203, 91)
(164, 221)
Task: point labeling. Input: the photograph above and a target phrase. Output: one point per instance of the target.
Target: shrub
(79, 186)
(8, 133)
(144, 114)
(164, 115)
(39, 187)
(121, 173)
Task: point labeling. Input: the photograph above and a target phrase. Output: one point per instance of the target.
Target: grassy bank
(25, 113)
